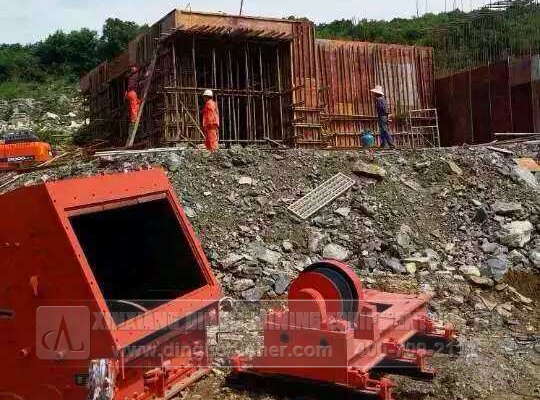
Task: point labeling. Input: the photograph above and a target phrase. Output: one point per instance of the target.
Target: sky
(27, 21)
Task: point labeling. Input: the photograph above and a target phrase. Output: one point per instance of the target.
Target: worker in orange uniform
(210, 114)
(131, 96)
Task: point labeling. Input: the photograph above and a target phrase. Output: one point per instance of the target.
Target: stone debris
(516, 233)
(245, 180)
(467, 253)
(470, 270)
(335, 252)
(454, 168)
(503, 208)
(369, 170)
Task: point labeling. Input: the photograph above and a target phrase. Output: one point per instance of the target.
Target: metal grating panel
(321, 196)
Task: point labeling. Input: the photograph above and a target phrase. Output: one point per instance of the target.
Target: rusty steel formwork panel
(306, 124)
(501, 107)
(272, 79)
(347, 72)
(522, 95)
(497, 98)
(480, 108)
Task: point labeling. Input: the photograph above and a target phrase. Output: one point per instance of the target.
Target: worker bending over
(132, 97)
(210, 114)
(383, 115)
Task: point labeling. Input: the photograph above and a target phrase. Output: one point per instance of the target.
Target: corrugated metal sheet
(348, 70)
(327, 82)
(495, 98)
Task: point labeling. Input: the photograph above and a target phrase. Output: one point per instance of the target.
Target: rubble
(53, 116)
(369, 170)
(503, 208)
(516, 233)
(335, 252)
(256, 246)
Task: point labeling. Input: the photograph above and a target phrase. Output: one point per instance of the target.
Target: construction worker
(210, 114)
(383, 115)
(131, 96)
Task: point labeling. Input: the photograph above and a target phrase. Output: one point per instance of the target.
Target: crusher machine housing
(335, 331)
(105, 293)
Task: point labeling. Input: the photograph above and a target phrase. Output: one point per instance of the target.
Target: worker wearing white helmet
(210, 124)
(383, 115)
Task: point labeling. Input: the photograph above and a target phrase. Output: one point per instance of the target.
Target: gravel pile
(463, 223)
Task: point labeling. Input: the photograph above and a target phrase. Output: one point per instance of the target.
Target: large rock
(241, 285)
(281, 284)
(369, 170)
(245, 180)
(422, 262)
(503, 208)
(403, 237)
(335, 252)
(454, 168)
(481, 281)
(315, 239)
(232, 259)
(470, 270)
(267, 256)
(254, 294)
(343, 211)
(534, 256)
(498, 266)
(516, 234)
(395, 265)
(526, 177)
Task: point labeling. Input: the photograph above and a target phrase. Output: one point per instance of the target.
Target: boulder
(241, 285)
(498, 266)
(267, 256)
(231, 260)
(190, 212)
(422, 262)
(534, 256)
(481, 281)
(254, 294)
(470, 270)
(369, 170)
(526, 177)
(335, 252)
(245, 180)
(410, 268)
(489, 248)
(343, 211)
(454, 168)
(403, 237)
(315, 240)
(287, 246)
(503, 208)
(281, 284)
(516, 234)
(395, 265)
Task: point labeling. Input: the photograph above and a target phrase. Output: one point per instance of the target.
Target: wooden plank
(135, 127)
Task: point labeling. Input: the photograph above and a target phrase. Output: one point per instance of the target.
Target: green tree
(19, 63)
(116, 36)
(69, 53)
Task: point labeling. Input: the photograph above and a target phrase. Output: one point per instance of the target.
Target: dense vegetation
(460, 39)
(61, 58)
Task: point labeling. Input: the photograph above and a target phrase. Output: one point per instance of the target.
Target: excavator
(22, 149)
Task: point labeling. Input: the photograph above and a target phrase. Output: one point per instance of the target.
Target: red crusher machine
(335, 331)
(105, 291)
